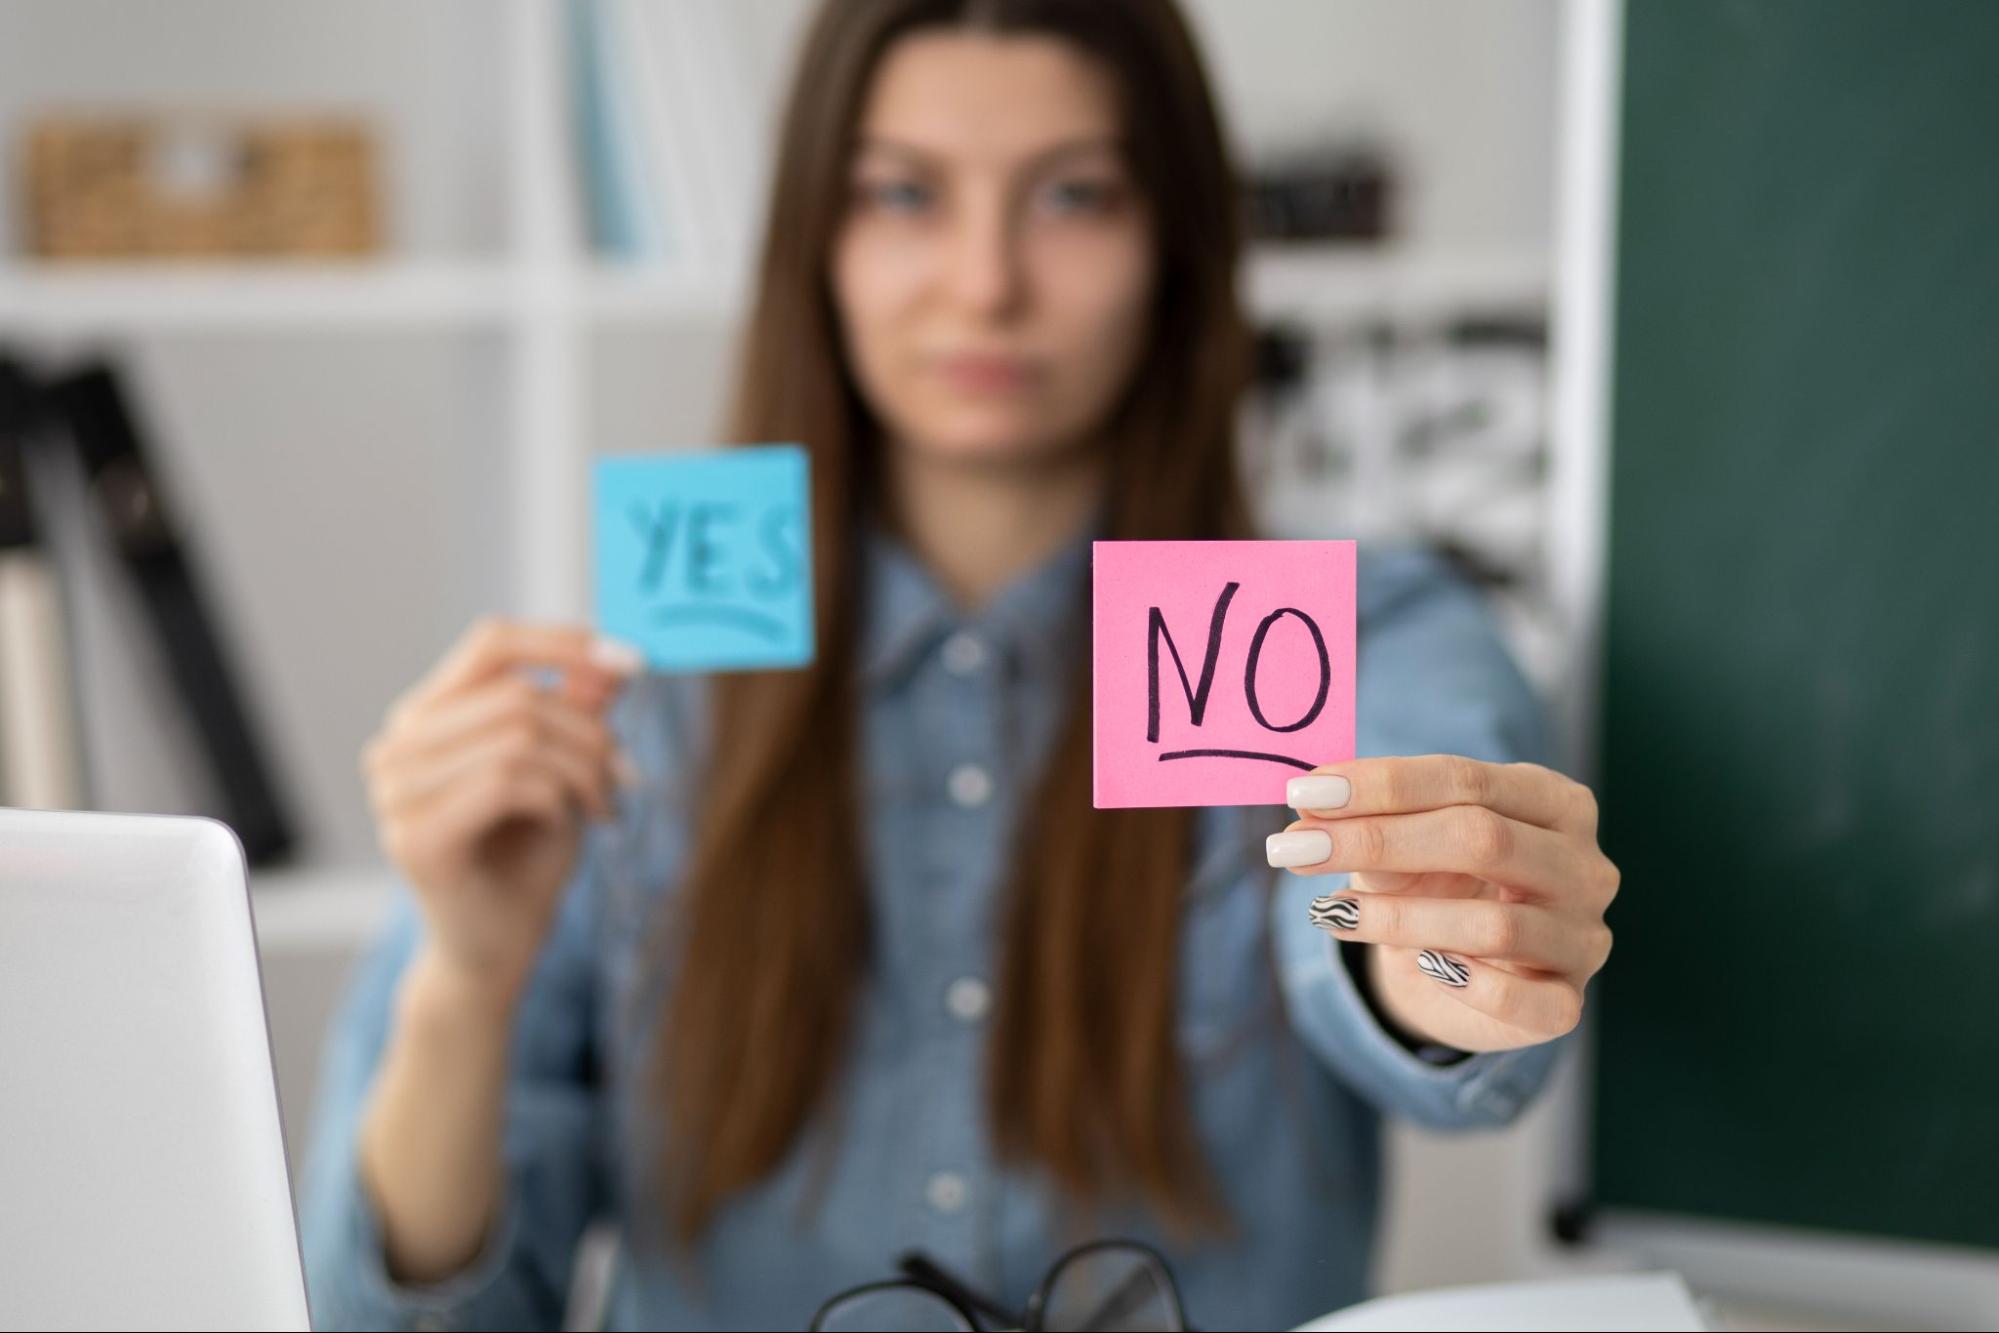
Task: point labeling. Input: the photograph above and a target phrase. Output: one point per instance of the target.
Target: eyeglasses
(1107, 1285)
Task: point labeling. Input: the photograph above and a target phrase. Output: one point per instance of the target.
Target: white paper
(1637, 1301)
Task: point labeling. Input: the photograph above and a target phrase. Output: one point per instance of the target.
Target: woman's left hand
(1480, 885)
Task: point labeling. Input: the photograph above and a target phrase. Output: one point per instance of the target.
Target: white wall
(1463, 91)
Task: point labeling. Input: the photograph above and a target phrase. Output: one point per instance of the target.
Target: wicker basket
(184, 185)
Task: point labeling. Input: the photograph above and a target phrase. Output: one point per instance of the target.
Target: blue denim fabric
(1289, 1070)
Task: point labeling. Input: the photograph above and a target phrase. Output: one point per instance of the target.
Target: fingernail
(624, 770)
(1330, 913)
(1318, 792)
(616, 656)
(1301, 847)
(1447, 968)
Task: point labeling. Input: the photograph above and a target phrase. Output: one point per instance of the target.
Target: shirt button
(971, 786)
(946, 1191)
(963, 654)
(968, 998)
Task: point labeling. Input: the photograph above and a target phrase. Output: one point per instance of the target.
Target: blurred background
(312, 315)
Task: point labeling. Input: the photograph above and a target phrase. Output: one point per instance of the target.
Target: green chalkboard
(1800, 728)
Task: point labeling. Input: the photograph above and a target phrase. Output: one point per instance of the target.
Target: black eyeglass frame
(921, 1273)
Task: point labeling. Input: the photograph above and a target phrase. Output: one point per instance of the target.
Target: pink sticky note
(1221, 669)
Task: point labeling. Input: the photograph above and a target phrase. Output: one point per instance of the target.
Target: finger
(1479, 928)
(1418, 883)
(580, 766)
(1423, 884)
(411, 762)
(512, 703)
(494, 645)
(589, 690)
(586, 777)
(468, 810)
(1467, 839)
(1402, 785)
(1545, 1006)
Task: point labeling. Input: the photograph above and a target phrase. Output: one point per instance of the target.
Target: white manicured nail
(624, 770)
(1318, 792)
(616, 655)
(1301, 847)
(1445, 967)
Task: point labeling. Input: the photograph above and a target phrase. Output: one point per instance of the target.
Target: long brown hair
(770, 938)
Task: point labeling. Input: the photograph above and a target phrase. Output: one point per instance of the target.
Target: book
(623, 211)
(699, 127)
(41, 760)
(116, 474)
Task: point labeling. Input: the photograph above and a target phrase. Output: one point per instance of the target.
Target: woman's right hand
(480, 780)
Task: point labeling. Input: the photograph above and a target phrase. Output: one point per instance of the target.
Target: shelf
(1304, 281)
(614, 293)
(144, 297)
(320, 909)
(1332, 281)
(147, 296)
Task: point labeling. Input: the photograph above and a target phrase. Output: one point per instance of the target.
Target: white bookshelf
(1395, 282)
(75, 299)
(70, 300)
(489, 277)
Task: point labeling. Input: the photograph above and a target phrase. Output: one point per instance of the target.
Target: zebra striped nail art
(1451, 971)
(1330, 913)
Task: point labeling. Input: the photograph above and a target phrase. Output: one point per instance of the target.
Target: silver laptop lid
(142, 1167)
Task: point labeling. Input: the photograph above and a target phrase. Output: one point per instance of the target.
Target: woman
(849, 964)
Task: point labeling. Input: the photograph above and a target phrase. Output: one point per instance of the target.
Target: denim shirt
(1288, 1068)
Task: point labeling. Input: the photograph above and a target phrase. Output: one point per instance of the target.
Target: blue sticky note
(704, 558)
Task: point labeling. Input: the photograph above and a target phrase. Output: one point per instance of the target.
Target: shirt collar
(1040, 617)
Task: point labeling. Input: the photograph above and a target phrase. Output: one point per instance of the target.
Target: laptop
(142, 1167)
